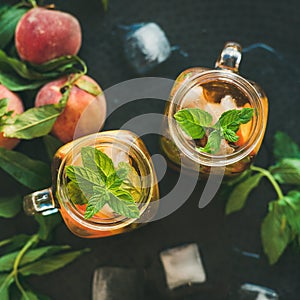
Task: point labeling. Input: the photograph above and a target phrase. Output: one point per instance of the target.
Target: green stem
(30, 242)
(33, 3)
(5, 242)
(270, 177)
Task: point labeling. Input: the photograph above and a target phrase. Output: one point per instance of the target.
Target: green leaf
(88, 86)
(7, 261)
(75, 194)
(16, 83)
(275, 235)
(34, 122)
(213, 143)
(31, 173)
(85, 178)
(192, 121)
(52, 144)
(231, 119)
(96, 202)
(9, 18)
(230, 135)
(50, 264)
(3, 106)
(290, 206)
(287, 171)
(104, 163)
(10, 206)
(5, 282)
(285, 147)
(122, 203)
(14, 243)
(29, 295)
(47, 224)
(240, 193)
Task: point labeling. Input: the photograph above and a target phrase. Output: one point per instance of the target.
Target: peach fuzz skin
(15, 104)
(84, 113)
(42, 35)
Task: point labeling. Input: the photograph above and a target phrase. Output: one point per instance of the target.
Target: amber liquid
(214, 97)
(109, 222)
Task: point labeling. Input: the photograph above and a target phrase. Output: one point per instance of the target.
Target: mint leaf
(232, 119)
(76, 194)
(287, 171)
(96, 202)
(230, 135)
(213, 143)
(285, 147)
(96, 160)
(85, 178)
(10, 206)
(192, 121)
(239, 195)
(274, 233)
(122, 203)
(98, 183)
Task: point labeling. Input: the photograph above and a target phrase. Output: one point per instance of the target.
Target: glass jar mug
(122, 147)
(215, 91)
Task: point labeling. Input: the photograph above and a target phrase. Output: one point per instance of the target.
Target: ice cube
(145, 46)
(183, 265)
(255, 292)
(110, 283)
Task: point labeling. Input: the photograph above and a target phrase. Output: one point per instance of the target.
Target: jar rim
(147, 184)
(177, 133)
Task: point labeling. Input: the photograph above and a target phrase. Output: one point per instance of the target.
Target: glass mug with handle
(102, 184)
(215, 118)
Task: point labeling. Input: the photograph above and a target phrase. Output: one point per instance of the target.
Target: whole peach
(42, 35)
(84, 113)
(14, 104)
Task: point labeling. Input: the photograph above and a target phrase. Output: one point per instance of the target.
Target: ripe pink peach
(84, 113)
(14, 104)
(43, 34)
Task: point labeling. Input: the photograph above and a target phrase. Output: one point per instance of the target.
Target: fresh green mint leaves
(196, 123)
(98, 182)
(281, 226)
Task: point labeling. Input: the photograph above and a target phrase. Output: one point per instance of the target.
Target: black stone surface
(200, 28)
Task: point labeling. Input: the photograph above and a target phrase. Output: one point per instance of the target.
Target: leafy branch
(281, 226)
(22, 257)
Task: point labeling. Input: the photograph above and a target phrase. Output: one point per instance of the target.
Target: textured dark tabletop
(200, 28)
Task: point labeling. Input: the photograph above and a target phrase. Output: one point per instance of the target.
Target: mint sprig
(98, 182)
(281, 226)
(196, 123)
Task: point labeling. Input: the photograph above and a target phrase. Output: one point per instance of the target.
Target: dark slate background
(200, 28)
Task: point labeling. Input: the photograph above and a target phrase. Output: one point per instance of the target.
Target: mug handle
(40, 202)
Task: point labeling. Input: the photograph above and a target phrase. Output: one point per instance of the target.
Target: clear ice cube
(255, 292)
(110, 283)
(183, 265)
(145, 46)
